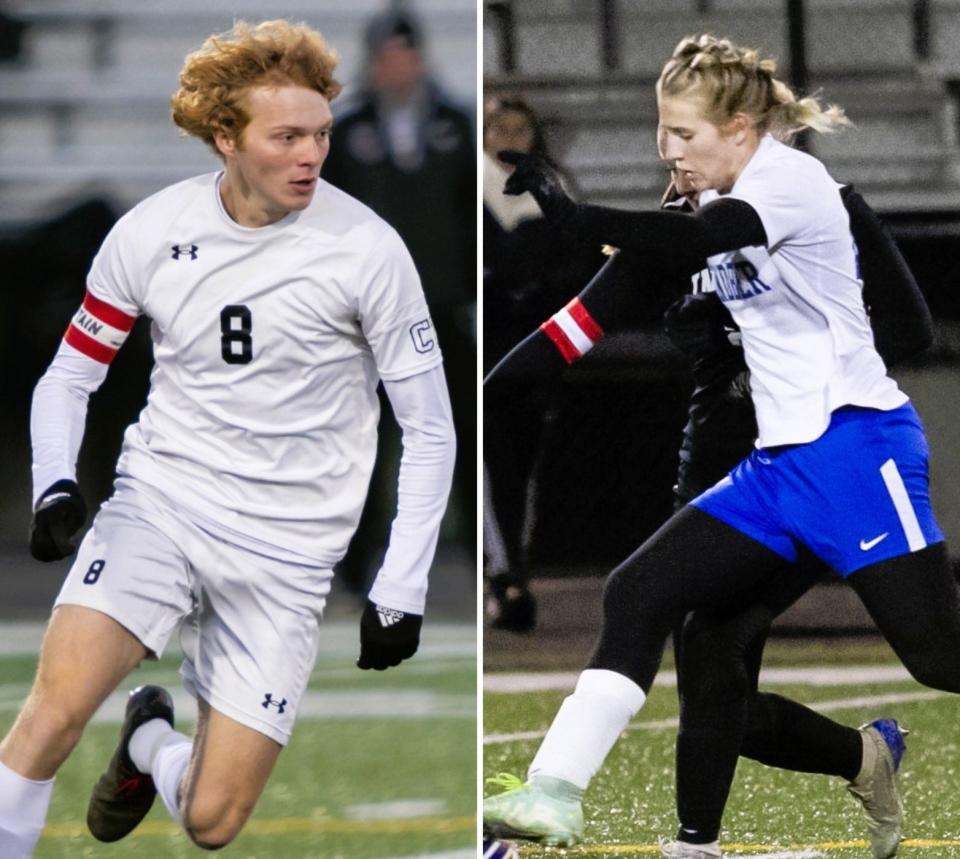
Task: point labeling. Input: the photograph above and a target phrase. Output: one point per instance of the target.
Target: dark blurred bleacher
(589, 67)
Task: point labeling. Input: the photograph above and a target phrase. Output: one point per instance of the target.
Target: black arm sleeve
(681, 240)
(901, 321)
(625, 292)
(535, 358)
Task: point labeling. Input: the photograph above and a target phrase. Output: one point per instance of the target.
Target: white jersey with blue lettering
(798, 301)
(268, 345)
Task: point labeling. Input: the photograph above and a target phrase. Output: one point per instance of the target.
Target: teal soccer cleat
(543, 809)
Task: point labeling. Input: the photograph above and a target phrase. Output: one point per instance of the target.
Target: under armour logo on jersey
(389, 616)
(268, 702)
(422, 341)
(183, 250)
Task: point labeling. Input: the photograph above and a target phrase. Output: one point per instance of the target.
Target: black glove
(533, 173)
(59, 514)
(387, 636)
(697, 324)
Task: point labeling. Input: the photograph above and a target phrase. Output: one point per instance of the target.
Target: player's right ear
(226, 144)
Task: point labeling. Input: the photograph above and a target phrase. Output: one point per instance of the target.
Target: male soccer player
(277, 304)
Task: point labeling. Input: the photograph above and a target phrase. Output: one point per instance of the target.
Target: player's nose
(670, 148)
(311, 153)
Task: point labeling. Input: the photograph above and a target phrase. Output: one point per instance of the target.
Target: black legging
(693, 561)
(696, 561)
(718, 653)
(915, 603)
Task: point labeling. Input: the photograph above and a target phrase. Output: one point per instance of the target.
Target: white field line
(316, 704)
(819, 706)
(328, 704)
(445, 647)
(786, 854)
(338, 638)
(849, 675)
(397, 809)
(466, 853)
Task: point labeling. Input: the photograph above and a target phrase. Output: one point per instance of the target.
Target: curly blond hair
(731, 79)
(215, 78)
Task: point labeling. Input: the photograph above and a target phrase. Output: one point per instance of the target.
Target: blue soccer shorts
(857, 495)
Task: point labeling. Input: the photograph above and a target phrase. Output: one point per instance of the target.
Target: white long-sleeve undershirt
(58, 415)
(421, 406)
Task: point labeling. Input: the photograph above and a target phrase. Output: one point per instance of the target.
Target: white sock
(586, 726)
(144, 743)
(23, 812)
(170, 762)
(157, 749)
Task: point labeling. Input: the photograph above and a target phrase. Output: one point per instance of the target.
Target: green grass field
(771, 813)
(382, 764)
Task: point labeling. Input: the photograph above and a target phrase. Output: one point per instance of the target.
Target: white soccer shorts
(251, 621)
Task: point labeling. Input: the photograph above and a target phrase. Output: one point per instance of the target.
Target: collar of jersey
(253, 233)
(712, 194)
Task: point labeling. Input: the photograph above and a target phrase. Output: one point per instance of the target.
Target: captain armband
(98, 329)
(572, 330)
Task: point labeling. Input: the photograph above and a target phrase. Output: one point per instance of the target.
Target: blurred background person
(528, 264)
(407, 151)
(529, 269)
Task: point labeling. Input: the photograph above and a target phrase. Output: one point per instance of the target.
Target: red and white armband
(98, 329)
(573, 330)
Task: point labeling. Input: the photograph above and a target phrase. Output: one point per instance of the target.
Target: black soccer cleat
(123, 795)
(510, 605)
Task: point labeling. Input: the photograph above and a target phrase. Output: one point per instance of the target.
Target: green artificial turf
(366, 787)
(631, 801)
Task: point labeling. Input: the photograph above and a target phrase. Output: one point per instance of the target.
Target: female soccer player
(277, 304)
(719, 649)
(841, 465)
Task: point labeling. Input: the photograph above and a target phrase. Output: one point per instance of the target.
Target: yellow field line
(611, 849)
(292, 824)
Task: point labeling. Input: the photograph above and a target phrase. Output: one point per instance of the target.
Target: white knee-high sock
(159, 750)
(169, 767)
(23, 811)
(586, 726)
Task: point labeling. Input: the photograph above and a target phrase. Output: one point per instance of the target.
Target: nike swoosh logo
(867, 545)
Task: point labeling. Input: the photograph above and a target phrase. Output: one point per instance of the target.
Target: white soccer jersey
(268, 346)
(798, 301)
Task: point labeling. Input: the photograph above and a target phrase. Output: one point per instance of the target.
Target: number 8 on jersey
(236, 339)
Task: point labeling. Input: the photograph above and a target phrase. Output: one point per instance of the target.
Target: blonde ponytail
(731, 80)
